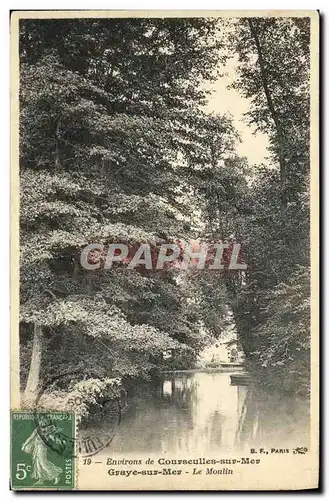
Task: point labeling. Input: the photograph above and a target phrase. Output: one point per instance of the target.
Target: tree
(273, 72)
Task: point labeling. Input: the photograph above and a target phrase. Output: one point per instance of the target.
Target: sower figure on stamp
(42, 468)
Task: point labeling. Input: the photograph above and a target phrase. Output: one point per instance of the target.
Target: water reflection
(204, 412)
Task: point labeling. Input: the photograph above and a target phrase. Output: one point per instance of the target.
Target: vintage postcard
(164, 250)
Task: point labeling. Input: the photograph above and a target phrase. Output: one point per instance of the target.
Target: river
(191, 412)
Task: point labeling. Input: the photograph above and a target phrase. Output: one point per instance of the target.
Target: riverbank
(224, 367)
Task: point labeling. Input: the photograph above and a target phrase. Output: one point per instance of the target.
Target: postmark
(92, 434)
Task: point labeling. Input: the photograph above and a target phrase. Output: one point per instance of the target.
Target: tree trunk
(271, 107)
(31, 389)
(76, 269)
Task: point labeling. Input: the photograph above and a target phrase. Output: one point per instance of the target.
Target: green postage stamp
(42, 450)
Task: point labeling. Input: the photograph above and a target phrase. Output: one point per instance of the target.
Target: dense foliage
(105, 109)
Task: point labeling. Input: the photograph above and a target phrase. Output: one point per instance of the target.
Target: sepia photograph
(164, 220)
